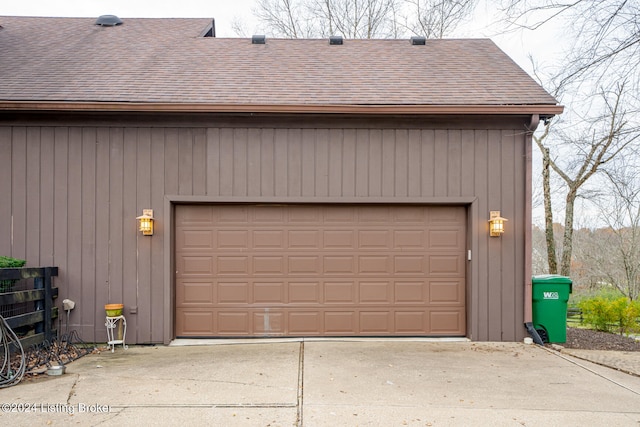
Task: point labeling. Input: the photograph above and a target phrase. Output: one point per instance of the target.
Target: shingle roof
(166, 61)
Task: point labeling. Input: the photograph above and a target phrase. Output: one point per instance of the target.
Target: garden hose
(10, 375)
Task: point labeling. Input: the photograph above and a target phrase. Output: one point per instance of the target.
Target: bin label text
(550, 295)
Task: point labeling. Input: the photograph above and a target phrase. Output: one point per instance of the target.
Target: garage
(320, 270)
(296, 188)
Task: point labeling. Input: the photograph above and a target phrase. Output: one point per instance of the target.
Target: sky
(518, 45)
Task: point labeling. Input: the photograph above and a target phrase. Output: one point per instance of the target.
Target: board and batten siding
(71, 192)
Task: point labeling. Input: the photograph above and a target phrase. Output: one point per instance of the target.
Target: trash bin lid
(551, 278)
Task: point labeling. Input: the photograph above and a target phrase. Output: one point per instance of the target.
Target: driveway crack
(72, 391)
(299, 417)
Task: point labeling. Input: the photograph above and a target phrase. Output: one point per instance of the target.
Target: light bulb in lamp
(496, 224)
(145, 222)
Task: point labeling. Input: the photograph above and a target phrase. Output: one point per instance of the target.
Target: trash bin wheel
(543, 335)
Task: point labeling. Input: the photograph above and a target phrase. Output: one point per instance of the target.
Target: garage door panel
(268, 239)
(193, 293)
(410, 322)
(446, 292)
(339, 264)
(195, 323)
(447, 321)
(441, 215)
(304, 215)
(232, 239)
(232, 214)
(192, 265)
(410, 292)
(376, 322)
(195, 240)
(320, 270)
(374, 264)
(195, 216)
(375, 293)
(233, 323)
(409, 239)
(267, 215)
(304, 292)
(232, 265)
(340, 322)
(304, 239)
(269, 292)
(373, 239)
(446, 265)
(410, 215)
(409, 264)
(445, 239)
(345, 216)
(269, 322)
(339, 293)
(338, 239)
(304, 265)
(305, 322)
(268, 265)
(233, 293)
(381, 215)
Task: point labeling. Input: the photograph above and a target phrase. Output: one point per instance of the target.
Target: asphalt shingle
(167, 61)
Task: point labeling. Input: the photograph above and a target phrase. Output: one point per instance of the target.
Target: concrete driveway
(328, 383)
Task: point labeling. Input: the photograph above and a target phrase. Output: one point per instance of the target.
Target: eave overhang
(544, 110)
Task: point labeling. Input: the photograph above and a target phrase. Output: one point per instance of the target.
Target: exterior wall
(72, 187)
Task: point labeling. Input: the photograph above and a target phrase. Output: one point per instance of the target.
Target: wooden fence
(31, 309)
(574, 316)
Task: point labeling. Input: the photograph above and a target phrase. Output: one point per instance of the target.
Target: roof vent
(258, 39)
(418, 40)
(108, 21)
(335, 40)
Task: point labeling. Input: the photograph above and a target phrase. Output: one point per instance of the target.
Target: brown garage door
(320, 270)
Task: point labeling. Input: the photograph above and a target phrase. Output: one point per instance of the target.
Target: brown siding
(73, 192)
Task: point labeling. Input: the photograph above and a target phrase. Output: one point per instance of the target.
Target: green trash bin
(550, 296)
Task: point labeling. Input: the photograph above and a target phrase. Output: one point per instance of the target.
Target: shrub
(628, 313)
(8, 262)
(609, 315)
(597, 313)
(608, 293)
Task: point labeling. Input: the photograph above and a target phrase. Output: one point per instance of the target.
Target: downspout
(528, 289)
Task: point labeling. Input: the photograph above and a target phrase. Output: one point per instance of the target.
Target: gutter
(528, 287)
(542, 110)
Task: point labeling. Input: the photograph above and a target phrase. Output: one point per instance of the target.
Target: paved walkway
(625, 361)
(330, 383)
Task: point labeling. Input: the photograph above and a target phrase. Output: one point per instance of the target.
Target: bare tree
(539, 251)
(285, 18)
(583, 153)
(605, 35)
(540, 140)
(362, 19)
(354, 19)
(603, 48)
(436, 19)
(321, 18)
(615, 250)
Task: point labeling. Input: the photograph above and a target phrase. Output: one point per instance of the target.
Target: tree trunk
(567, 241)
(548, 213)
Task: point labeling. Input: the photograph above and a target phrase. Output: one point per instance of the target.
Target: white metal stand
(111, 323)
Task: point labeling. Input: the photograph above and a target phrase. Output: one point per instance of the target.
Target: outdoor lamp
(496, 224)
(146, 222)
